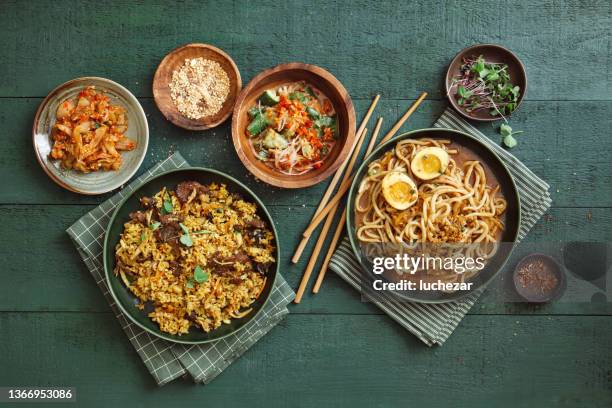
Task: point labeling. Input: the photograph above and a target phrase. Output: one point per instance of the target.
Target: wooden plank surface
(401, 43)
(330, 361)
(332, 350)
(565, 143)
(64, 284)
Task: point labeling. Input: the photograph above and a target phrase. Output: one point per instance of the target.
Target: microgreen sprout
(484, 85)
(508, 135)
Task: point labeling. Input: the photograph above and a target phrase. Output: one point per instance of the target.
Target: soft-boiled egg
(399, 190)
(429, 163)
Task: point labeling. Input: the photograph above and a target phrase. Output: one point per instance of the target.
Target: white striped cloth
(434, 323)
(167, 360)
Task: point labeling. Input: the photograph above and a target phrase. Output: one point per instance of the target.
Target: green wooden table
(332, 350)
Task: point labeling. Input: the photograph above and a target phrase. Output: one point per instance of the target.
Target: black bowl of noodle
(191, 256)
(439, 203)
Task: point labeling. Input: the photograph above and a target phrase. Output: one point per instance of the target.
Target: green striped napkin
(434, 323)
(166, 360)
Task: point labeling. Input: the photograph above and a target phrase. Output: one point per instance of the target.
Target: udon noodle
(459, 207)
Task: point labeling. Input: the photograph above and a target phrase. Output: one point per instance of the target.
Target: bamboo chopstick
(332, 184)
(340, 226)
(345, 185)
(404, 117)
(326, 226)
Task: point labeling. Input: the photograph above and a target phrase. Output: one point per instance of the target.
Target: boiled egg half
(399, 190)
(429, 163)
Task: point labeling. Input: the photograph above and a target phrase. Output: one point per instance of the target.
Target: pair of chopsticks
(328, 207)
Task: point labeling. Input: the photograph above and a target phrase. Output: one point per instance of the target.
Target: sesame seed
(199, 87)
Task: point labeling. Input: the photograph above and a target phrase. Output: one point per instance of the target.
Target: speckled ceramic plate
(101, 181)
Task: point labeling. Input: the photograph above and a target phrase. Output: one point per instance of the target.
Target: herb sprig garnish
(185, 238)
(485, 85)
(508, 135)
(200, 275)
(167, 206)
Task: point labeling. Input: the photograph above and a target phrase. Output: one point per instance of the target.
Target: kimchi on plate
(89, 133)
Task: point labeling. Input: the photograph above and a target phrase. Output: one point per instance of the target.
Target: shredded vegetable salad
(293, 128)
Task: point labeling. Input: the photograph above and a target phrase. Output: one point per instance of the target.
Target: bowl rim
(107, 272)
(139, 112)
(449, 75)
(390, 142)
(280, 180)
(157, 77)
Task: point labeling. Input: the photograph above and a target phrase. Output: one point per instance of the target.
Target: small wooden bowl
(493, 53)
(272, 78)
(163, 77)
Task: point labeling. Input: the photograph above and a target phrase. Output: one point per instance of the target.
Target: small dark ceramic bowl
(492, 53)
(127, 301)
(532, 293)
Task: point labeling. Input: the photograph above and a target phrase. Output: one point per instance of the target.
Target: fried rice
(197, 256)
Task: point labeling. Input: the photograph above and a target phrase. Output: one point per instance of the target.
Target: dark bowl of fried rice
(191, 256)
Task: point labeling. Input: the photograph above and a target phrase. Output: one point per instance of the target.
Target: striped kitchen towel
(434, 323)
(166, 360)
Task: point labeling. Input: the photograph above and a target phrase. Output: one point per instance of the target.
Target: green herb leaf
(297, 95)
(143, 236)
(186, 240)
(480, 65)
(262, 155)
(510, 141)
(190, 283)
(483, 72)
(492, 76)
(201, 232)
(313, 113)
(184, 228)
(310, 92)
(505, 130)
(155, 225)
(200, 274)
(168, 205)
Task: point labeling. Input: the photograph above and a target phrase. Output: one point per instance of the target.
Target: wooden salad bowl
(274, 77)
(163, 77)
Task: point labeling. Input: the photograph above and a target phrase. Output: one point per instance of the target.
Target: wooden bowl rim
(180, 120)
(278, 179)
(46, 101)
(460, 54)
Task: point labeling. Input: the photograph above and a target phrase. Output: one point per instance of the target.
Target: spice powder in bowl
(538, 278)
(199, 87)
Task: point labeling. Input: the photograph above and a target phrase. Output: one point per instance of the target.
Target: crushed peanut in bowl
(199, 88)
